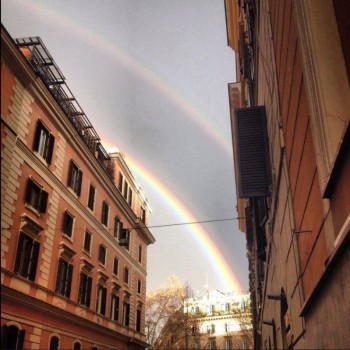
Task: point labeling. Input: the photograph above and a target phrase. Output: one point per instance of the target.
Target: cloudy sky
(152, 78)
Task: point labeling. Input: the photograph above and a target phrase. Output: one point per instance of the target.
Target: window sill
(87, 253)
(32, 209)
(66, 236)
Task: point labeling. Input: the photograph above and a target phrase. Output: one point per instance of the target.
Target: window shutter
(51, 141)
(252, 152)
(103, 301)
(59, 276)
(43, 201)
(19, 252)
(20, 339)
(38, 129)
(69, 182)
(4, 334)
(34, 261)
(29, 190)
(80, 178)
(88, 291)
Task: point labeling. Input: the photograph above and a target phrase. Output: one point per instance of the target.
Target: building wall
(300, 76)
(34, 306)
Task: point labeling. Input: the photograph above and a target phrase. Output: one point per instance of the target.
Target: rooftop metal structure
(44, 65)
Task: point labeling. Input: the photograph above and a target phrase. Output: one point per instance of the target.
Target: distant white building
(223, 320)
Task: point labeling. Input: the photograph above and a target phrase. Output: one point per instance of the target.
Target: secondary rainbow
(126, 60)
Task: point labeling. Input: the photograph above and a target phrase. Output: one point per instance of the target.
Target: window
(75, 177)
(228, 344)
(12, 337)
(54, 343)
(212, 344)
(115, 308)
(138, 320)
(118, 226)
(139, 284)
(143, 215)
(27, 257)
(121, 180)
(35, 196)
(130, 196)
(101, 300)
(140, 253)
(124, 238)
(116, 266)
(43, 142)
(68, 220)
(64, 278)
(87, 241)
(77, 346)
(126, 275)
(105, 210)
(126, 314)
(84, 289)
(227, 307)
(102, 254)
(212, 309)
(126, 188)
(91, 199)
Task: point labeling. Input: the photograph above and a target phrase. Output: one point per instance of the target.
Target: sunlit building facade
(290, 126)
(73, 217)
(214, 321)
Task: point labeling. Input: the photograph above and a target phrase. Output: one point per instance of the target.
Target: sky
(152, 78)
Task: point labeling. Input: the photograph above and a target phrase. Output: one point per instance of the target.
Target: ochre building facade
(290, 111)
(74, 231)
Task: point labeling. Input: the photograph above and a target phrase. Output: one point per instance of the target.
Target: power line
(190, 223)
(148, 227)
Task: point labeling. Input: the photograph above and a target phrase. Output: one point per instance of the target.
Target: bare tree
(161, 304)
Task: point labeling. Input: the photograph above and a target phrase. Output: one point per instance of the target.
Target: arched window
(77, 346)
(54, 343)
(12, 338)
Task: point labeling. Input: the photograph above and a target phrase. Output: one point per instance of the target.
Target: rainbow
(136, 67)
(201, 236)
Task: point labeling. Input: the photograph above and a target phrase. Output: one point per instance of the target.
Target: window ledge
(34, 210)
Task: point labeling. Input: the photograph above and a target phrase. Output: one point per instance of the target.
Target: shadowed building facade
(73, 217)
(290, 126)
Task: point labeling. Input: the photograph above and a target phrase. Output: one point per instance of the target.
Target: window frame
(75, 177)
(101, 299)
(84, 291)
(116, 266)
(105, 213)
(89, 234)
(102, 254)
(91, 198)
(66, 225)
(35, 196)
(115, 307)
(27, 256)
(64, 278)
(43, 142)
(126, 275)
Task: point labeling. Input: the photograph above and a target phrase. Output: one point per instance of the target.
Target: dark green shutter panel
(88, 291)
(59, 276)
(37, 135)
(34, 261)
(69, 280)
(19, 252)
(29, 190)
(51, 142)
(4, 334)
(43, 201)
(69, 183)
(20, 340)
(252, 152)
(103, 301)
(80, 178)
